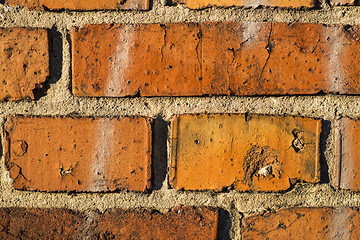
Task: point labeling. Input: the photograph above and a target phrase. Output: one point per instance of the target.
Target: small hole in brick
(197, 141)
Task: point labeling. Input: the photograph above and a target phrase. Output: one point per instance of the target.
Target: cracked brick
(303, 223)
(215, 58)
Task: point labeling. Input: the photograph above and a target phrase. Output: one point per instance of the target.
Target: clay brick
(179, 223)
(78, 154)
(303, 223)
(80, 4)
(24, 62)
(278, 58)
(215, 58)
(347, 165)
(258, 153)
(198, 4)
(127, 60)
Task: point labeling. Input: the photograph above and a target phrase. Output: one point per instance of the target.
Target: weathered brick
(347, 154)
(78, 154)
(80, 4)
(126, 60)
(278, 58)
(24, 62)
(247, 152)
(303, 223)
(198, 4)
(215, 58)
(179, 223)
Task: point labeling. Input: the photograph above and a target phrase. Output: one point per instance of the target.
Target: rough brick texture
(197, 4)
(24, 62)
(304, 223)
(179, 223)
(347, 165)
(80, 4)
(78, 154)
(218, 58)
(259, 153)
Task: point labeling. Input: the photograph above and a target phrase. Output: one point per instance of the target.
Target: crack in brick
(268, 48)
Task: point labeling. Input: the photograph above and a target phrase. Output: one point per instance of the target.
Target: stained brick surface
(196, 4)
(122, 60)
(78, 154)
(303, 223)
(259, 153)
(24, 62)
(347, 165)
(179, 223)
(80, 4)
(218, 58)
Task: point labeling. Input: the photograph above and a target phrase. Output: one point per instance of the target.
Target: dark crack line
(268, 48)
(199, 55)
(163, 26)
(234, 53)
(280, 226)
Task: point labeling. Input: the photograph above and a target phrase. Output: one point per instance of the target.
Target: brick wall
(179, 119)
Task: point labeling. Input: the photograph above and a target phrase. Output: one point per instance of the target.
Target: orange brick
(347, 167)
(78, 154)
(80, 4)
(259, 153)
(278, 58)
(217, 58)
(303, 223)
(178, 223)
(24, 62)
(127, 60)
(198, 4)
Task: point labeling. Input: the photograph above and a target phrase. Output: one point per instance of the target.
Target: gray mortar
(59, 101)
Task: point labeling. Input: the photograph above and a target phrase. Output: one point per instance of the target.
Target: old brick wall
(189, 119)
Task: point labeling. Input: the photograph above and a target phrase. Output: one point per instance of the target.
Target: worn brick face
(259, 153)
(197, 4)
(80, 4)
(347, 166)
(24, 62)
(178, 223)
(78, 154)
(215, 58)
(126, 60)
(303, 223)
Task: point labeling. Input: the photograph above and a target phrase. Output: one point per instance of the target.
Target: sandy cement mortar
(59, 101)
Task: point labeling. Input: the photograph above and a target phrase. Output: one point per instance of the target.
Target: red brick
(80, 4)
(347, 154)
(126, 60)
(197, 4)
(24, 62)
(258, 153)
(303, 223)
(78, 154)
(217, 58)
(179, 223)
